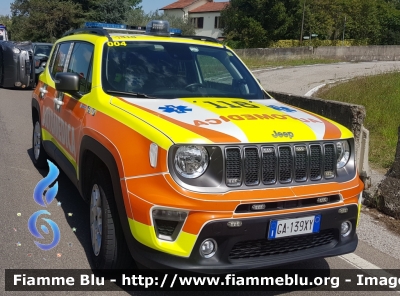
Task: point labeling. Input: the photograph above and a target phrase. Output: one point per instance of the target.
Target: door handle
(58, 102)
(43, 90)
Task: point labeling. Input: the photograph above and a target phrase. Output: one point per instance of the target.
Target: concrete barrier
(344, 53)
(359, 53)
(348, 115)
(276, 53)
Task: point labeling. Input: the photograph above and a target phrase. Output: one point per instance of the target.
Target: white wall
(208, 24)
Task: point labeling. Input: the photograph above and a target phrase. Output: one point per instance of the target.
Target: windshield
(43, 50)
(176, 70)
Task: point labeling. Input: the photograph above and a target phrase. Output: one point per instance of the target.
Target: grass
(380, 95)
(256, 62)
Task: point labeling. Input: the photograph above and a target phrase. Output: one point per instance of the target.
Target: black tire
(39, 154)
(113, 251)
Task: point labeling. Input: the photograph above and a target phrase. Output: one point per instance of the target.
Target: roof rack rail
(203, 38)
(94, 31)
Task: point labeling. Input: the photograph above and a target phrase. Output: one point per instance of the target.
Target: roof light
(158, 27)
(116, 27)
(104, 25)
(155, 27)
(174, 31)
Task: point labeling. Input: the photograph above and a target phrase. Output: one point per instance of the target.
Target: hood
(225, 120)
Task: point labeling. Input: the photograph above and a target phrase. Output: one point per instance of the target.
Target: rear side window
(52, 58)
(60, 58)
(81, 63)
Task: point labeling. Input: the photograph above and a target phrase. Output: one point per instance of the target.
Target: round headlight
(191, 161)
(16, 50)
(343, 153)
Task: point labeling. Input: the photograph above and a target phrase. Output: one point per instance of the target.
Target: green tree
(389, 19)
(137, 17)
(6, 20)
(43, 20)
(241, 23)
(134, 4)
(324, 18)
(363, 20)
(259, 22)
(109, 11)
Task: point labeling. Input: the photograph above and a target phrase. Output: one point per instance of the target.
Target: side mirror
(68, 82)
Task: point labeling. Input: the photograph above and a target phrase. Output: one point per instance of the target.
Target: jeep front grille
(270, 164)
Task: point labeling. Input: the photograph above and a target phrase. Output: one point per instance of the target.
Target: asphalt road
(378, 248)
(302, 79)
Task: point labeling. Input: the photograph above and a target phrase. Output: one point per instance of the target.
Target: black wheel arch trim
(92, 145)
(35, 105)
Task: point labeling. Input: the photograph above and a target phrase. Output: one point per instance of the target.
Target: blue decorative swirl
(54, 227)
(44, 183)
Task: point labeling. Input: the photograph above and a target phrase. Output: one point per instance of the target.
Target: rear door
(64, 113)
(55, 137)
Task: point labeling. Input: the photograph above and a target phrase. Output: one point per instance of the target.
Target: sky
(147, 5)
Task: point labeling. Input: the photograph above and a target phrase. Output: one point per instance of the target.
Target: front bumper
(247, 247)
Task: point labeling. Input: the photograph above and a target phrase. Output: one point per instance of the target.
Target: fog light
(168, 223)
(345, 228)
(18, 84)
(208, 248)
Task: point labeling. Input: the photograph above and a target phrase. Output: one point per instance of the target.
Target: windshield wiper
(130, 94)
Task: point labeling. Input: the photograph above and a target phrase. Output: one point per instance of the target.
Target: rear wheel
(39, 155)
(108, 243)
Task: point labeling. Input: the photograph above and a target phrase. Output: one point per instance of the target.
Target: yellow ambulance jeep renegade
(185, 160)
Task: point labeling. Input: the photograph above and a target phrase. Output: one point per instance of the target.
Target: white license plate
(291, 227)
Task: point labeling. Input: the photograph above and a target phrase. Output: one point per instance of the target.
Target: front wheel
(108, 243)
(39, 155)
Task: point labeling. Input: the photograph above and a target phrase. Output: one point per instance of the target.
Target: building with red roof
(204, 14)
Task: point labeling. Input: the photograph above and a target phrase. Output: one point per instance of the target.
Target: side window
(213, 70)
(51, 62)
(60, 58)
(218, 23)
(197, 22)
(81, 63)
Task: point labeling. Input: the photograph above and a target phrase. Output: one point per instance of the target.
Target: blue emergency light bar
(174, 31)
(104, 25)
(156, 27)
